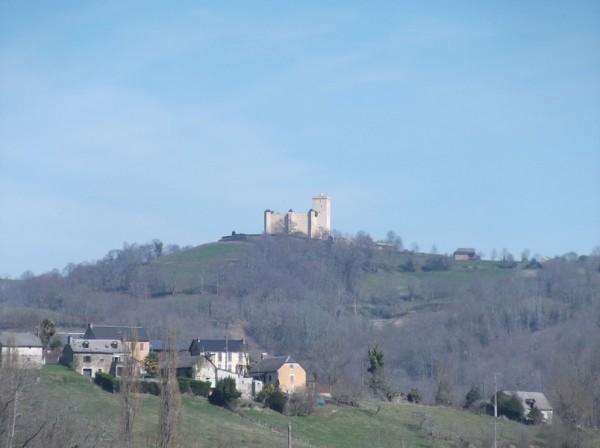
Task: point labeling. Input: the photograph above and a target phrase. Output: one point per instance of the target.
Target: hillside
(444, 326)
(371, 425)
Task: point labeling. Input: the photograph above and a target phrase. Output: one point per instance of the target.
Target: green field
(371, 425)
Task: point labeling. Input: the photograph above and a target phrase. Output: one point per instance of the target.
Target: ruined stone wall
(316, 223)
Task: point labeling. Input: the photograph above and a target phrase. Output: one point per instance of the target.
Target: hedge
(150, 387)
(200, 388)
(111, 384)
(106, 381)
(184, 385)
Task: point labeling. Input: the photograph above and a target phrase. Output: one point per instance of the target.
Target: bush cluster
(225, 394)
(107, 382)
(150, 387)
(200, 388)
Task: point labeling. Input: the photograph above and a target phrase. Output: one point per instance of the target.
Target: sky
(454, 124)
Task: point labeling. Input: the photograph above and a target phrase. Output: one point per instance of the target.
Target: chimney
(263, 355)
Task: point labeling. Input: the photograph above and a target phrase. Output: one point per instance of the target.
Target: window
(240, 357)
(229, 356)
(220, 356)
(87, 358)
(292, 379)
(87, 372)
(141, 346)
(85, 344)
(291, 366)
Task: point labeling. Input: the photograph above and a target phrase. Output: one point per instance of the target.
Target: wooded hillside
(444, 326)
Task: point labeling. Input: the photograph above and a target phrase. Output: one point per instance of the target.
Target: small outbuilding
(463, 253)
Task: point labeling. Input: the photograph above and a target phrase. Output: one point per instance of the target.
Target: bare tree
(394, 240)
(170, 400)
(15, 381)
(128, 388)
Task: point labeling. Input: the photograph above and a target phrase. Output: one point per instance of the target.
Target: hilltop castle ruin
(314, 224)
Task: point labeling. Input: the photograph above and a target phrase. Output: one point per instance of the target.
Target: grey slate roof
(115, 332)
(9, 339)
(218, 345)
(464, 251)
(91, 346)
(187, 361)
(158, 345)
(540, 400)
(272, 364)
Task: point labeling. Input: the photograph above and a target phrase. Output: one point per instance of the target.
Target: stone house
(89, 356)
(134, 339)
(282, 371)
(26, 348)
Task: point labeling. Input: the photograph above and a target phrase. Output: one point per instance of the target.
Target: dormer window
(85, 344)
(114, 344)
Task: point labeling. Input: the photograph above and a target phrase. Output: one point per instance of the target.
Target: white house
(25, 348)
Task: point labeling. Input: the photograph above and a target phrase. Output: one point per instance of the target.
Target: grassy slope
(202, 422)
(393, 425)
(204, 257)
(331, 426)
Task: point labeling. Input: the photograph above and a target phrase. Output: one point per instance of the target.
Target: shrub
(150, 387)
(509, 405)
(184, 385)
(151, 364)
(106, 382)
(277, 401)
(472, 396)
(200, 388)
(301, 404)
(225, 393)
(272, 398)
(435, 264)
(414, 396)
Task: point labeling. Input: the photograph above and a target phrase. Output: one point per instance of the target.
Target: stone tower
(320, 224)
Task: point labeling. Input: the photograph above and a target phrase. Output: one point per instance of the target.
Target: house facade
(134, 339)
(90, 356)
(24, 348)
(282, 371)
(230, 355)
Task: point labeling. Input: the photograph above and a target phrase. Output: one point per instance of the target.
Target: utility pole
(495, 408)
(289, 435)
(495, 395)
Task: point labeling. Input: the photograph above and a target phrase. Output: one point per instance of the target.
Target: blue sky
(459, 124)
